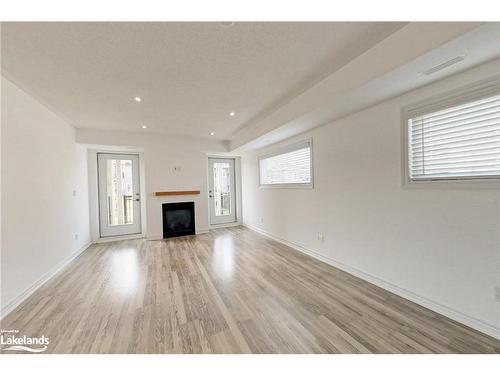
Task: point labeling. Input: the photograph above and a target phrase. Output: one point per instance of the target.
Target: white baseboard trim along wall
(10, 306)
(420, 300)
(119, 238)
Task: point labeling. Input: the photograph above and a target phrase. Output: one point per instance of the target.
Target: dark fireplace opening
(178, 219)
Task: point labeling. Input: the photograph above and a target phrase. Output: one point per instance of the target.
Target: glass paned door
(119, 195)
(221, 191)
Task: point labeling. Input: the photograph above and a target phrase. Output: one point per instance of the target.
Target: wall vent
(444, 65)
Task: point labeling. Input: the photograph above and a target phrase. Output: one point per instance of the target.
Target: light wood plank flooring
(229, 291)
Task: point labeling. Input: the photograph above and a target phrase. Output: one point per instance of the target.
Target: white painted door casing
(221, 191)
(119, 194)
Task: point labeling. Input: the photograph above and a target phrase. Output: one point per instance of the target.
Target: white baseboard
(449, 312)
(5, 310)
(225, 225)
(155, 237)
(119, 238)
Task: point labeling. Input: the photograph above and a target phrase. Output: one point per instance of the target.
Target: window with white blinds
(291, 166)
(458, 142)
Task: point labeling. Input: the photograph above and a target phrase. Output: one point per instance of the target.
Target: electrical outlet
(321, 237)
(74, 193)
(497, 293)
(76, 236)
(261, 220)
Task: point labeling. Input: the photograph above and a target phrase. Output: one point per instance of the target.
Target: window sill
(453, 184)
(287, 186)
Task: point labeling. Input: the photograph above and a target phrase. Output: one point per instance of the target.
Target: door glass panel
(119, 192)
(222, 189)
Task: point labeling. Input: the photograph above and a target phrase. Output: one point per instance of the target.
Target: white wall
(44, 194)
(436, 246)
(159, 154)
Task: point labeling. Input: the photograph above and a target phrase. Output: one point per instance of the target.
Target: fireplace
(178, 219)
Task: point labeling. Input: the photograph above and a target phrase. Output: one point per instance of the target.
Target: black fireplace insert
(178, 219)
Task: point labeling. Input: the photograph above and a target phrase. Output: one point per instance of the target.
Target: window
(291, 166)
(458, 140)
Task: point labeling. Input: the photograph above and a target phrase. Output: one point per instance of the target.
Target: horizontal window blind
(458, 142)
(291, 167)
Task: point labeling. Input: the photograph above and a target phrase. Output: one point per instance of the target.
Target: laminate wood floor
(228, 291)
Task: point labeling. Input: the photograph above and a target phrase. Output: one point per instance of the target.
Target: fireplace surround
(178, 219)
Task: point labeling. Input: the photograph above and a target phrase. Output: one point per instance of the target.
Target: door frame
(92, 151)
(236, 191)
(124, 156)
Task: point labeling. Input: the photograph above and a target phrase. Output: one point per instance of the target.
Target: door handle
(137, 199)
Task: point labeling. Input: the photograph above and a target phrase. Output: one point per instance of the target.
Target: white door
(119, 195)
(221, 191)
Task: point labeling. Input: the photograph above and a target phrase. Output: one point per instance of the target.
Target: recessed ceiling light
(231, 114)
(137, 98)
(227, 24)
(144, 126)
(212, 133)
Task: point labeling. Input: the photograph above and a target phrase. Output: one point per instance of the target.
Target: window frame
(283, 150)
(472, 92)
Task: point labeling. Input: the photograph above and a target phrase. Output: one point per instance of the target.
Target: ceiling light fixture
(227, 24)
(231, 114)
(212, 133)
(137, 99)
(144, 126)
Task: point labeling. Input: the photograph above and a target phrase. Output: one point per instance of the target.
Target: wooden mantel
(180, 192)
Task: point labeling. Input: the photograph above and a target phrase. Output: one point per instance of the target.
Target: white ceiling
(189, 75)
(390, 68)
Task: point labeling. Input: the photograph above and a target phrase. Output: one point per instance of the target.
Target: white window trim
(475, 91)
(284, 150)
